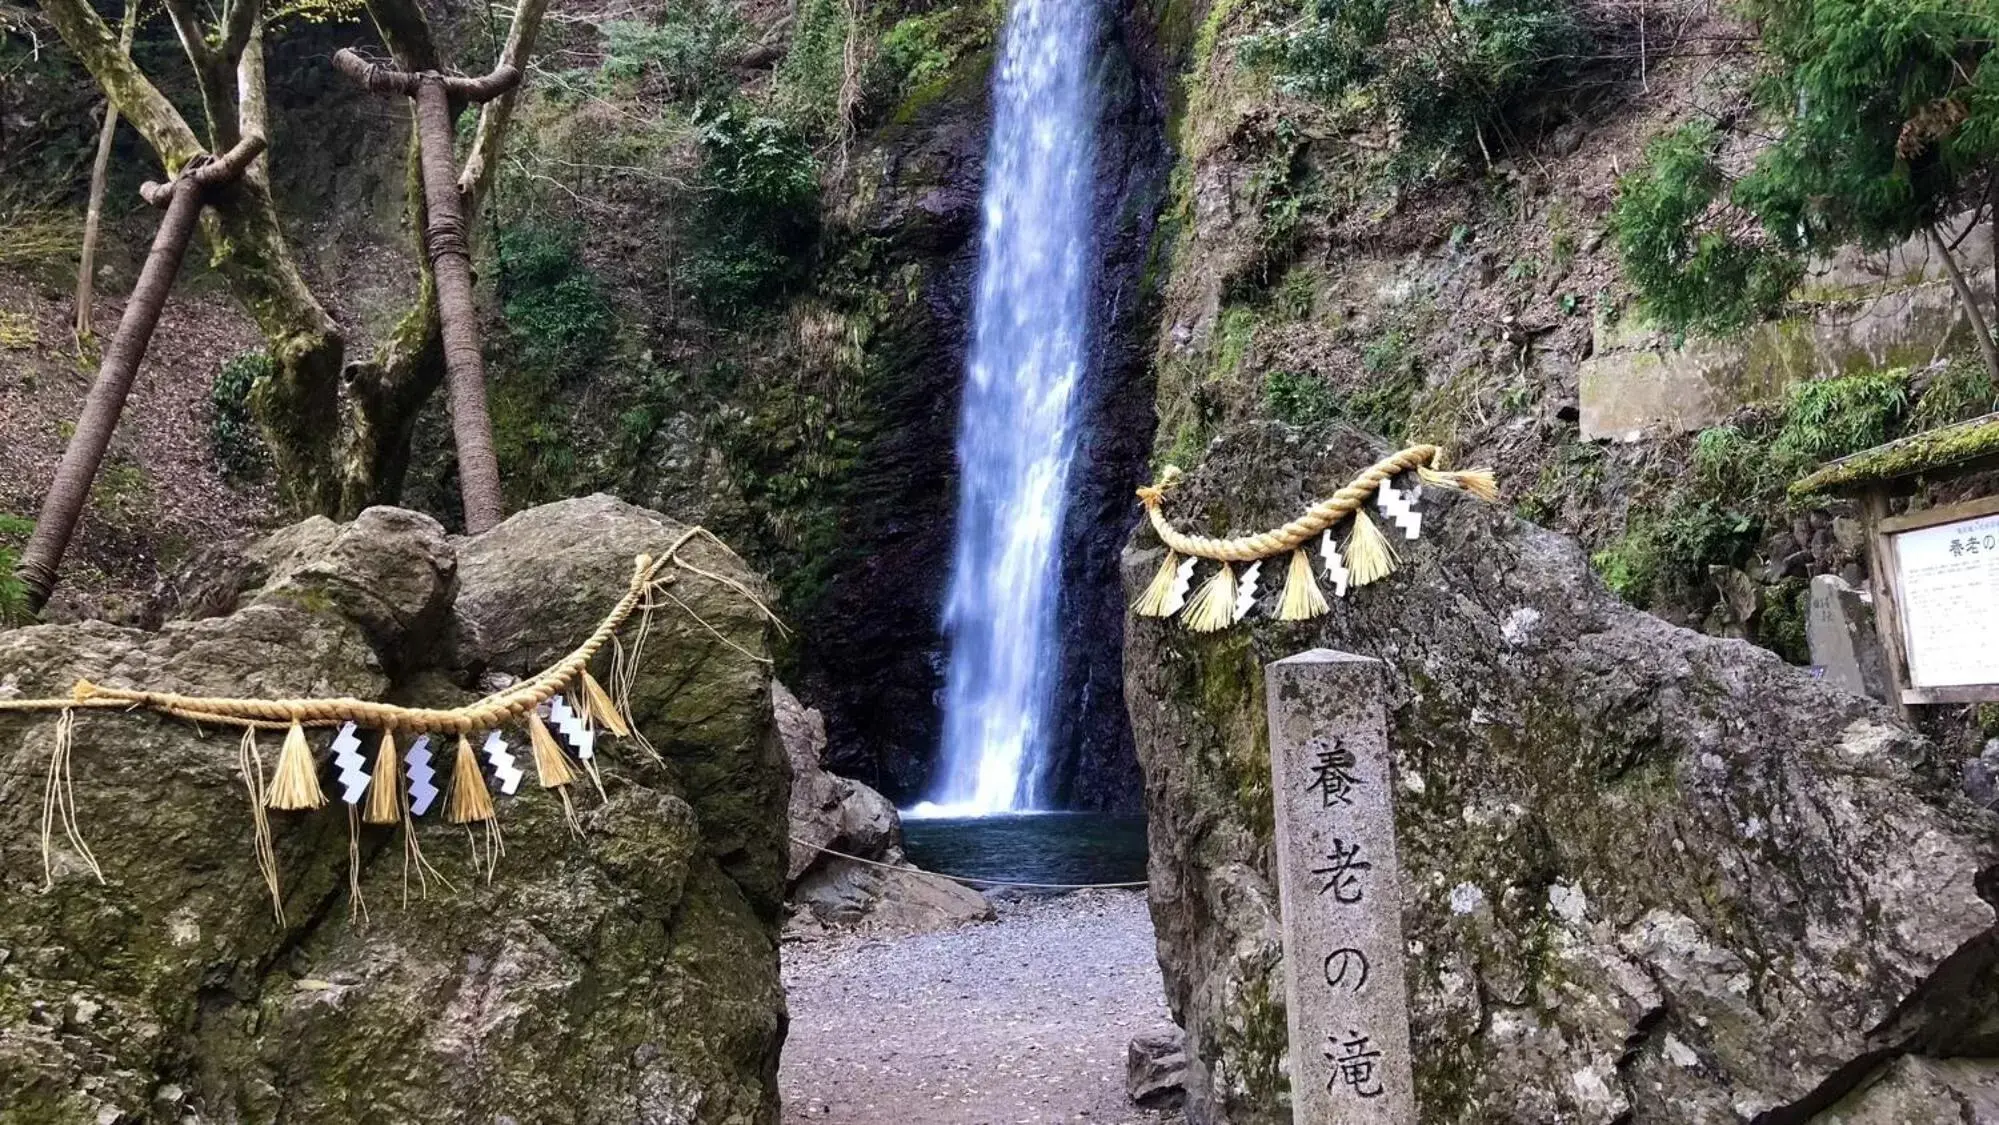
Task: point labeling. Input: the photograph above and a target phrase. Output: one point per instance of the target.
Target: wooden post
(1881, 569)
(445, 241)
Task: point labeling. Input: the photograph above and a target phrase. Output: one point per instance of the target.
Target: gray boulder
(872, 883)
(629, 974)
(1156, 1069)
(1649, 876)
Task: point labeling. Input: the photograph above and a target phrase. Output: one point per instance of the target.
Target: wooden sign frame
(1886, 567)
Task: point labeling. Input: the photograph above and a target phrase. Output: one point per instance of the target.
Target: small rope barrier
(969, 881)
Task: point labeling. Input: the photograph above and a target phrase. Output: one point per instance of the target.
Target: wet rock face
(626, 975)
(1649, 875)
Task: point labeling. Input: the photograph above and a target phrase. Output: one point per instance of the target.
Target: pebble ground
(1023, 1021)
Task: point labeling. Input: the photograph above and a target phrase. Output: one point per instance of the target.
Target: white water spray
(1015, 438)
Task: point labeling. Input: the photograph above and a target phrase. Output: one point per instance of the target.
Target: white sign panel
(1950, 602)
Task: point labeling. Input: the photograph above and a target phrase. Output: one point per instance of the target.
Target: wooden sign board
(1941, 567)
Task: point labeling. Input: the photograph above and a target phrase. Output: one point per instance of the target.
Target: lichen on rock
(626, 975)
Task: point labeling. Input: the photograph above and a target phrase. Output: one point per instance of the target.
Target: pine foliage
(1884, 116)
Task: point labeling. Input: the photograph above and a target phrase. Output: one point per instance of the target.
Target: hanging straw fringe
(1212, 608)
(296, 785)
(470, 803)
(59, 804)
(1369, 554)
(1302, 599)
(250, 761)
(551, 765)
(357, 906)
(385, 790)
(602, 711)
(1158, 597)
(1478, 482)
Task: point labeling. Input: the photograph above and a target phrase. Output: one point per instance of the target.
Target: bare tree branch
(496, 114)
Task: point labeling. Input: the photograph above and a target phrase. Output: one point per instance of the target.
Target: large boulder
(847, 865)
(1648, 875)
(626, 972)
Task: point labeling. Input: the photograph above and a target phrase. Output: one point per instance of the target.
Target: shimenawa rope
(1222, 600)
(294, 784)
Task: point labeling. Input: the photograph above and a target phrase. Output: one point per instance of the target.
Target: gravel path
(1022, 1020)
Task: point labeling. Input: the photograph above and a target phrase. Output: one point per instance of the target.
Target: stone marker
(1340, 886)
(1839, 628)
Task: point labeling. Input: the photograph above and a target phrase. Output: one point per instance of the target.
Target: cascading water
(1015, 438)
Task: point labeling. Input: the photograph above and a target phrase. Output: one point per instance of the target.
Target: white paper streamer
(1245, 598)
(571, 726)
(353, 767)
(1400, 508)
(417, 764)
(504, 770)
(1176, 597)
(1336, 567)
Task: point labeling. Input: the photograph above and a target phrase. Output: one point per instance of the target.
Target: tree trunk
(386, 392)
(100, 170)
(63, 505)
(451, 264)
(1980, 331)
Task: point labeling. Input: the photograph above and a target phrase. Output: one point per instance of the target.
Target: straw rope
(498, 709)
(1292, 535)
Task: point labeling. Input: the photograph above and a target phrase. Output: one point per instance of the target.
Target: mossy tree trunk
(307, 346)
(321, 466)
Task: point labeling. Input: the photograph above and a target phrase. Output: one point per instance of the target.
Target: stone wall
(627, 974)
(1650, 876)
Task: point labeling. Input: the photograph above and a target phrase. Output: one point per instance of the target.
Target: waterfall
(1029, 346)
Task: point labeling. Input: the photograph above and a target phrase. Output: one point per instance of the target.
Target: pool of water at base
(1062, 847)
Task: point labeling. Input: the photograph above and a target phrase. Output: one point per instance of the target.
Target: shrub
(1454, 75)
(808, 85)
(760, 212)
(558, 318)
(1299, 399)
(233, 436)
(1828, 418)
(688, 53)
(1960, 392)
(1870, 120)
(1688, 276)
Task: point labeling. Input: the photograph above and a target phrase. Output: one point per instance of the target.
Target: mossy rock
(624, 971)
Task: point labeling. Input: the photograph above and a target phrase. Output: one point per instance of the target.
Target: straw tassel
(1302, 599)
(551, 765)
(470, 803)
(250, 761)
(1158, 600)
(603, 712)
(1369, 555)
(1478, 482)
(1212, 608)
(385, 792)
(295, 785)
